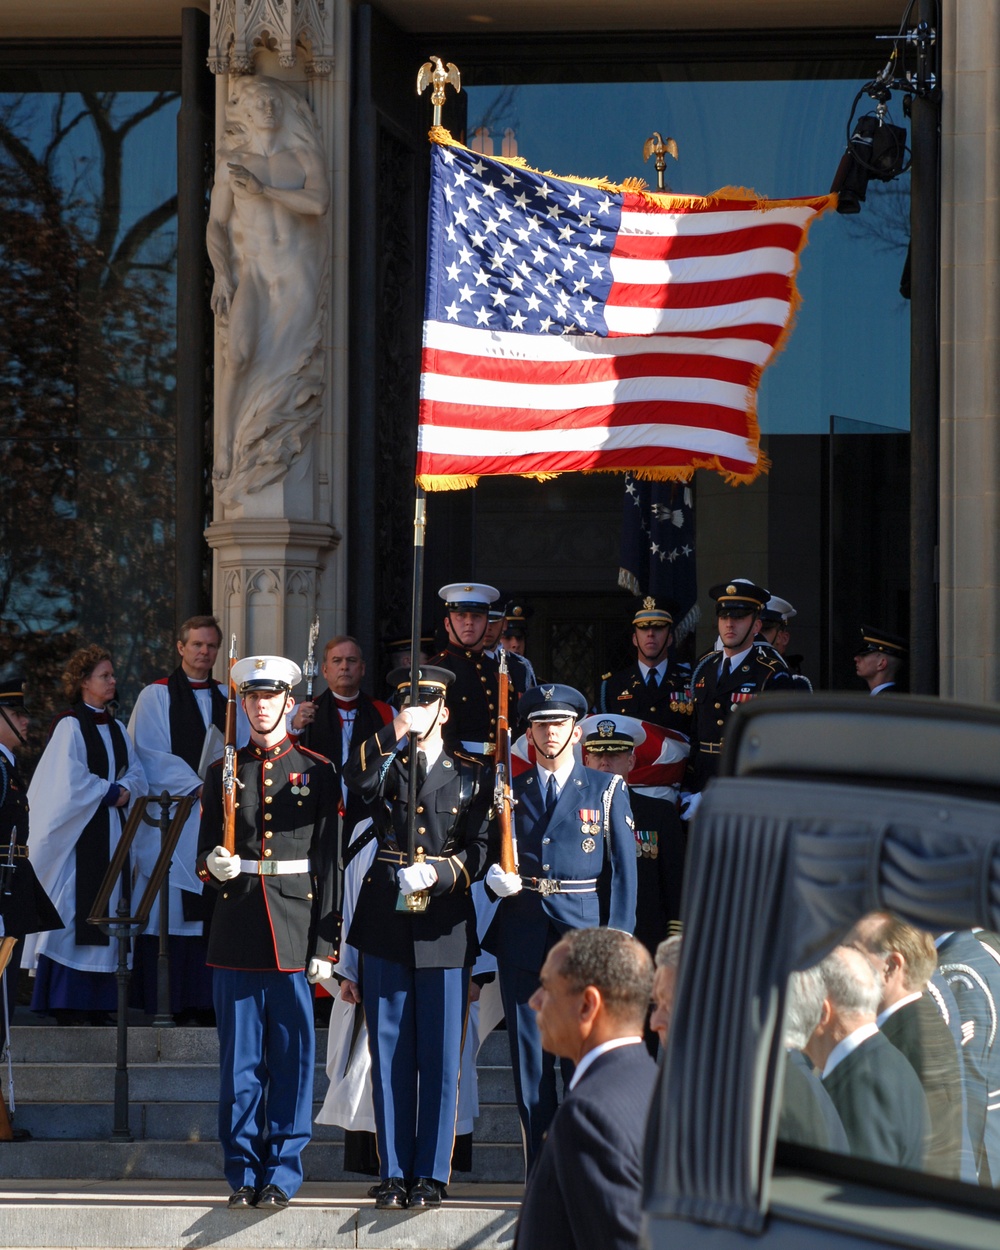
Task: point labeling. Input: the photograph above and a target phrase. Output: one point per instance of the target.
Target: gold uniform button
(454, 810)
(269, 765)
(421, 829)
(479, 668)
(419, 811)
(268, 781)
(720, 722)
(492, 707)
(267, 815)
(267, 852)
(309, 896)
(268, 799)
(717, 706)
(225, 894)
(268, 833)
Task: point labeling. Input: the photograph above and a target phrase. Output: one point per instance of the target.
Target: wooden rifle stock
(503, 798)
(229, 763)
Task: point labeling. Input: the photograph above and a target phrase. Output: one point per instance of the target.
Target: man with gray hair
(872, 1085)
(584, 1187)
(808, 1116)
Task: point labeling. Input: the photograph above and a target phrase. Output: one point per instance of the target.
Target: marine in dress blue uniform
(473, 696)
(415, 963)
(576, 870)
(274, 930)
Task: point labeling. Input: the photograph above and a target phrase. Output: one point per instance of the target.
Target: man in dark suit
(872, 1085)
(576, 869)
(904, 959)
(274, 933)
(416, 964)
(339, 719)
(584, 1190)
(808, 1116)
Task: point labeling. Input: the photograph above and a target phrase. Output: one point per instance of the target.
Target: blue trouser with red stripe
(267, 1053)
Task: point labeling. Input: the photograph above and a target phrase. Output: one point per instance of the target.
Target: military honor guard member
(655, 687)
(473, 696)
(339, 719)
(610, 743)
(879, 658)
(416, 962)
(169, 725)
(24, 906)
(576, 869)
(274, 932)
(79, 795)
(727, 677)
(513, 638)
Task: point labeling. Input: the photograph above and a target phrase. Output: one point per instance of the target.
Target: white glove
(503, 884)
(222, 865)
(319, 970)
(415, 877)
(689, 805)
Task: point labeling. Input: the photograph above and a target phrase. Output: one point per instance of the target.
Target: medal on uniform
(299, 783)
(590, 818)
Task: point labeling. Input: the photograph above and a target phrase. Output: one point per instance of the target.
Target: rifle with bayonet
(229, 762)
(503, 797)
(310, 669)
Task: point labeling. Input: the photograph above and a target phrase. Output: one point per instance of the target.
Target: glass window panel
(87, 342)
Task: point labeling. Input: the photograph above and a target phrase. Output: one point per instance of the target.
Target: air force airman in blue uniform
(576, 870)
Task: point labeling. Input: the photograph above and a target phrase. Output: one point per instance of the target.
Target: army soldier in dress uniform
(416, 964)
(24, 905)
(274, 932)
(879, 658)
(653, 688)
(609, 745)
(724, 679)
(472, 696)
(576, 870)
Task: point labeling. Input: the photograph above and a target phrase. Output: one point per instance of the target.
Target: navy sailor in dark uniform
(24, 905)
(576, 870)
(274, 932)
(415, 964)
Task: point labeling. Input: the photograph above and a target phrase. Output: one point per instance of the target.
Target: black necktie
(421, 769)
(726, 669)
(550, 794)
(652, 682)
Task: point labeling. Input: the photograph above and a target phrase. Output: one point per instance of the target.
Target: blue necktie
(550, 794)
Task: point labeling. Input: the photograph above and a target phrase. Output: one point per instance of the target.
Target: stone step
(60, 1214)
(197, 1121)
(493, 1162)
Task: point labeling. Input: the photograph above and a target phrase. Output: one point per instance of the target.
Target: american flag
(576, 326)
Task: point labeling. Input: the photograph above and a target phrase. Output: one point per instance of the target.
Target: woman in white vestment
(80, 793)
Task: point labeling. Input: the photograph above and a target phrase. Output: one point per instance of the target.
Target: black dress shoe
(426, 1192)
(272, 1198)
(241, 1199)
(391, 1195)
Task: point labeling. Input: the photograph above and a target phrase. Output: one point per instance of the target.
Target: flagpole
(438, 76)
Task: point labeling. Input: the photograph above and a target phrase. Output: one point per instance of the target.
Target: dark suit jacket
(26, 908)
(918, 1031)
(881, 1104)
(808, 1116)
(584, 1190)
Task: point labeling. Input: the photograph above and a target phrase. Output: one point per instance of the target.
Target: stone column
(970, 352)
(281, 441)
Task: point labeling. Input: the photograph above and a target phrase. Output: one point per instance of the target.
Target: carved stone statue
(267, 241)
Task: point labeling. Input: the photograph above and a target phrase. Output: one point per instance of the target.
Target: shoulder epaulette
(324, 759)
